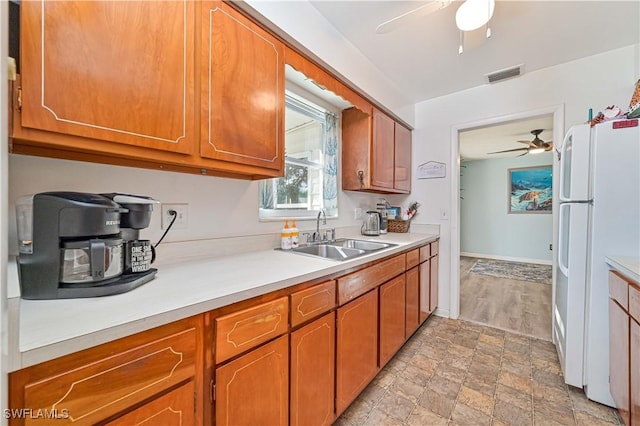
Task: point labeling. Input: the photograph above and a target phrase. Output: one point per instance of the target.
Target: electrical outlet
(182, 219)
(551, 247)
(357, 213)
(444, 214)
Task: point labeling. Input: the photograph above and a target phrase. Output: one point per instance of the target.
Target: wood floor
(519, 306)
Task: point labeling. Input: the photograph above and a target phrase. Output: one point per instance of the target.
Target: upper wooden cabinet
(118, 86)
(242, 87)
(382, 150)
(402, 164)
(114, 71)
(376, 152)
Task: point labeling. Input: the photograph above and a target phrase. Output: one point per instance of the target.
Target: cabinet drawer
(353, 285)
(634, 302)
(93, 391)
(413, 258)
(619, 289)
(425, 252)
(243, 330)
(312, 302)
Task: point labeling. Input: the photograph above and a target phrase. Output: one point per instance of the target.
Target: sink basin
(342, 249)
(329, 251)
(362, 245)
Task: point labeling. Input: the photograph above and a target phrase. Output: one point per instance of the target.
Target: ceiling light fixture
(536, 150)
(473, 14)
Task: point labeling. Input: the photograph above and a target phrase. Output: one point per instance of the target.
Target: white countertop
(51, 328)
(628, 266)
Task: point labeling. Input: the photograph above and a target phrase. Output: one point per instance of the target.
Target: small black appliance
(73, 245)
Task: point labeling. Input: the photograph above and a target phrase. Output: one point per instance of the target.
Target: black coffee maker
(73, 245)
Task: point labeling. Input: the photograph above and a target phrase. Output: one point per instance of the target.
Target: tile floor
(454, 372)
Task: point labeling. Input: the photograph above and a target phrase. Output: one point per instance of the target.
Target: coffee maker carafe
(71, 246)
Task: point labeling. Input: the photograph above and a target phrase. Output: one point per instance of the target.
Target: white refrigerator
(598, 216)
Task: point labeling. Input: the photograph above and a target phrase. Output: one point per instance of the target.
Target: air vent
(504, 74)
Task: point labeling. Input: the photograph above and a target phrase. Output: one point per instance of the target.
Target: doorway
(458, 276)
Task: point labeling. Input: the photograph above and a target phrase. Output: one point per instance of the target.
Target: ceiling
(421, 57)
(477, 143)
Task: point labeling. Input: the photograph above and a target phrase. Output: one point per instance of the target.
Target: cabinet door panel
(382, 167)
(122, 72)
(253, 389)
(242, 81)
(402, 175)
(412, 301)
(172, 409)
(619, 358)
(425, 290)
(313, 372)
(357, 348)
(635, 373)
(433, 284)
(392, 317)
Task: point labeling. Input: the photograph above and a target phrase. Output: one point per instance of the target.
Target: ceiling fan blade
(509, 150)
(398, 21)
(525, 142)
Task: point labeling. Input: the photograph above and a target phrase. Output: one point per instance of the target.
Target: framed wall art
(530, 189)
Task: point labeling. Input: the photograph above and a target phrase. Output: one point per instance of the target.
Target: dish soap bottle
(295, 234)
(285, 237)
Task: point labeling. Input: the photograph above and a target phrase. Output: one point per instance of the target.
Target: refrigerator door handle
(562, 154)
(561, 243)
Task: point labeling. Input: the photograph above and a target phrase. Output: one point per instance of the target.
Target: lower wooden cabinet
(392, 318)
(128, 378)
(433, 284)
(175, 408)
(412, 301)
(619, 358)
(425, 290)
(356, 348)
(253, 389)
(635, 372)
(313, 373)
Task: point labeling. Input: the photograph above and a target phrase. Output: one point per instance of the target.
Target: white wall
(592, 82)
(486, 228)
(218, 207)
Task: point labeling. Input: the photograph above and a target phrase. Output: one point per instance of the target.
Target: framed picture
(530, 189)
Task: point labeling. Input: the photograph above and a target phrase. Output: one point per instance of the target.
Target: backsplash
(218, 208)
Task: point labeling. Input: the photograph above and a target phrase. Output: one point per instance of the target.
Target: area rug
(513, 270)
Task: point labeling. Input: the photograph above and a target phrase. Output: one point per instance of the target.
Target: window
(310, 181)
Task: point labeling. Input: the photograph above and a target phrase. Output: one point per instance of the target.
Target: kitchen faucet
(324, 222)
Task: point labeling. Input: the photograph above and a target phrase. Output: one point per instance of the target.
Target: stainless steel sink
(342, 249)
(329, 251)
(362, 244)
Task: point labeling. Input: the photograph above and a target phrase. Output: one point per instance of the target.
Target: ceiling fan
(400, 20)
(536, 146)
(471, 15)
